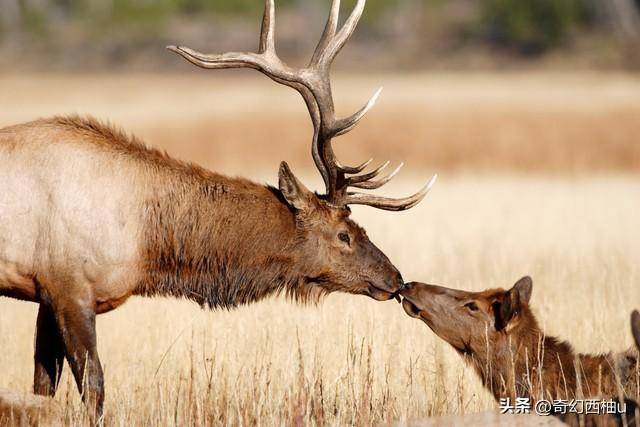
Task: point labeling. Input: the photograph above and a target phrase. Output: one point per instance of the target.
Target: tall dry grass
(351, 360)
(572, 226)
(554, 123)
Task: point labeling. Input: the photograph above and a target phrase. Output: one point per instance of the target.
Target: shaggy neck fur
(524, 362)
(221, 242)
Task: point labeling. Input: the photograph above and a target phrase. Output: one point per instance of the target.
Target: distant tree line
(538, 25)
(524, 27)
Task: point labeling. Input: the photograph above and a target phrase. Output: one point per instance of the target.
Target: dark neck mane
(220, 242)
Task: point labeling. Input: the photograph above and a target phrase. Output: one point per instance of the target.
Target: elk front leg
(77, 323)
(49, 353)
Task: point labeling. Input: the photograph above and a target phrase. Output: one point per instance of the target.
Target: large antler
(314, 84)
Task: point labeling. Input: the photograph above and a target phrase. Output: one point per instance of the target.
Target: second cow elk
(497, 334)
(91, 216)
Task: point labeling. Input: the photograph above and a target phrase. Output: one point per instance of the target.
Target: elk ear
(635, 327)
(522, 290)
(512, 302)
(294, 192)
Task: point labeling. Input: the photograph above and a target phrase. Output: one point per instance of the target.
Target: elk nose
(407, 288)
(393, 282)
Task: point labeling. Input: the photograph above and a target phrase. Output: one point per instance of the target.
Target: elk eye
(345, 238)
(472, 306)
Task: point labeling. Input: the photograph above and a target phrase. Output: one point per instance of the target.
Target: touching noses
(396, 283)
(407, 289)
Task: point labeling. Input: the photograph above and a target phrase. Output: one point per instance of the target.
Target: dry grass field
(572, 224)
(554, 123)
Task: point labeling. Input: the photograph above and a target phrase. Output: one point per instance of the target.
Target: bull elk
(496, 333)
(91, 216)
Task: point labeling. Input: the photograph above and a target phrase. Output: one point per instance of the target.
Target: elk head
(338, 253)
(468, 321)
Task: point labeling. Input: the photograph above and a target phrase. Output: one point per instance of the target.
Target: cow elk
(498, 335)
(91, 216)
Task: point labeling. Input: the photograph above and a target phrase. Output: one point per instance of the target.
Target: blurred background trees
(400, 33)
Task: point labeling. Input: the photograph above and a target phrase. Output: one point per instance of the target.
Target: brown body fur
(189, 248)
(107, 218)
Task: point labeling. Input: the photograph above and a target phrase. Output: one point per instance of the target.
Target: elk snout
(408, 289)
(408, 286)
(386, 287)
(417, 293)
(424, 291)
(409, 300)
(395, 283)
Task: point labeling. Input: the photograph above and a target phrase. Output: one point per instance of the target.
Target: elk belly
(16, 284)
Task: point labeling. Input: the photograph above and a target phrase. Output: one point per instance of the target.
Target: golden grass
(351, 360)
(559, 123)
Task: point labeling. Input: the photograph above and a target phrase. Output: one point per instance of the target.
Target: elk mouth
(410, 308)
(463, 349)
(379, 294)
(367, 288)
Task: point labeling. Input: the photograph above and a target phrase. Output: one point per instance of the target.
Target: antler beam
(314, 84)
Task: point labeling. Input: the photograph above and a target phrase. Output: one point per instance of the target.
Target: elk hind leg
(49, 353)
(77, 323)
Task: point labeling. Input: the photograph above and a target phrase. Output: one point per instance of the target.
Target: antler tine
(354, 169)
(267, 33)
(329, 32)
(338, 42)
(265, 61)
(345, 125)
(270, 66)
(372, 185)
(367, 176)
(389, 204)
(216, 62)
